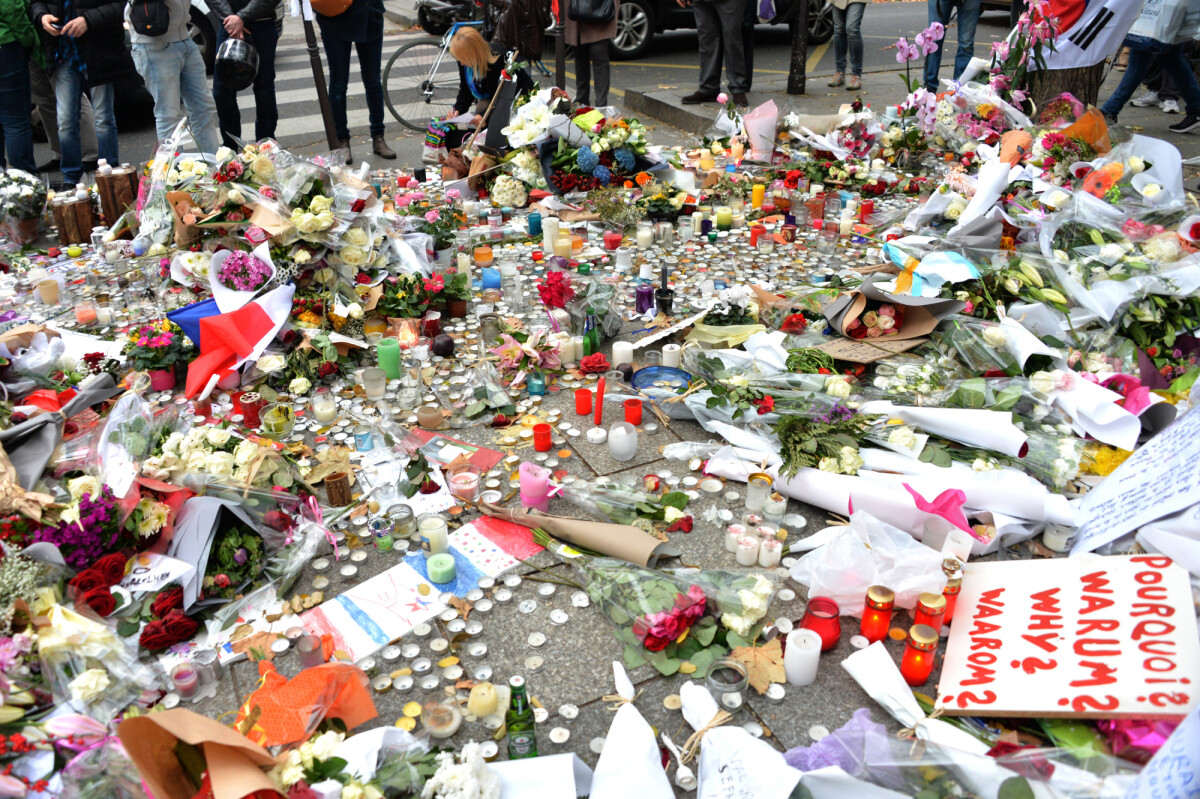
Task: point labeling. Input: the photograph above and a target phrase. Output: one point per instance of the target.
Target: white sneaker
(1146, 100)
(1170, 106)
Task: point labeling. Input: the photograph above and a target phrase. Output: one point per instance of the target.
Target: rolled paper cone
(337, 486)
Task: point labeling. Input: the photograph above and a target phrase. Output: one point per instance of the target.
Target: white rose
(1055, 198)
(324, 220)
(902, 437)
(1136, 165)
(153, 468)
(356, 236)
(300, 385)
(218, 436)
(222, 154)
(672, 514)
(302, 256)
(325, 744)
(195, 461)
(980, 465)
(736, 624)
(262, 167)
(886, 323)
(171, 445)
(353, 791)
(355, 310)
(89, 685)
(1111, 253)
(84, 485)
(1043, 382)
(754, 605)
(220, 464)
(271, 363)
(837, 387)
(850, 460)
(305, 223)
(995, 336)
(1151, 190)
(956, 208)
(235, 196)
(829, 465)
(245, 452)
(1096, 362)
(353, 256)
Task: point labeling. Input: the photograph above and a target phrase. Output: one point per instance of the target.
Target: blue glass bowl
(665, 377)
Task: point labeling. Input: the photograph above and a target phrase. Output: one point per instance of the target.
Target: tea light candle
(348, 572)
(800, 656)
(747, 551)
(775, 505)
(732, 533)
(770, 552)
(441, 568)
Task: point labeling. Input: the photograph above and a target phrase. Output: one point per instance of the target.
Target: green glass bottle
(522, 729)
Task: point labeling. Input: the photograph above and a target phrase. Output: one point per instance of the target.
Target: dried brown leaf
(764, 664)
(462, 606)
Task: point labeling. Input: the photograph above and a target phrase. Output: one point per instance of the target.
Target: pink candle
(535, 486)
(186, 680)
(599, 418)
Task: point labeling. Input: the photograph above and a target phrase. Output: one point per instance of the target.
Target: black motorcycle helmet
(236, 64)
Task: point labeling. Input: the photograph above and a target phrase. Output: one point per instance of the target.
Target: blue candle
(535, 223)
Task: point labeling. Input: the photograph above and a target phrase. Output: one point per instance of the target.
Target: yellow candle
(737, 150)
(562, 247)
(757, 193)
(724, 217)
(706, 162)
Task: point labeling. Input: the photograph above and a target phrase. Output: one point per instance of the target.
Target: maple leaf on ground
(764, 664)
(462, 606)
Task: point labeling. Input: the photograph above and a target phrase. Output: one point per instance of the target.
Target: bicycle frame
(427, 84)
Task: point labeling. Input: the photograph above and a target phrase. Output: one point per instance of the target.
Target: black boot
(344, 144)
(381, 148)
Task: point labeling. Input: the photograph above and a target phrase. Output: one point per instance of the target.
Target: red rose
(277, 520)
(154, 637)
(179, 625)
(88, 580)
(654, 644)
(327, 368)
(362, 278)
(100, 600)
(1195, 231)
(641, 626)
(594, 363)
(795, 323)
(1152, 351)
(111, 567)
(166, 601)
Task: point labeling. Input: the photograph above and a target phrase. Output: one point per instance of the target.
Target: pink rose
(874, 332)
(722, 98)
(887, 310)
(1066, 381)
(453, 194)
(432, 216)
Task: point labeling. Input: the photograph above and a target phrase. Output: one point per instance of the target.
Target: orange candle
(917, 664)
(877, 614)
(483, 255)
(950, 594)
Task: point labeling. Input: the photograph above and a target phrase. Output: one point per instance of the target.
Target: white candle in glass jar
(770, 552)
(732, 533)
(847, 227)
(775, 505)
(622, 352)
(747, 551)
(801, 655)
(578, 341)
(645, 236)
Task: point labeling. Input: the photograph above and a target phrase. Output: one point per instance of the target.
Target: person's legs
(1139, 65)
(197, 99)
(370, 53)
(1176, 65)
(15, 100)
(266, 111)
(103, 97)
(583, 74)
(89, 145)
(42, 90)
(939, 11)
(159, 68)
(839, 40)
(968, 19)
(749, 20)
(229, 118)
(854, 16)
(708, 36)
(337, 54)
(600, 71)
(68, 88)
(731, 13)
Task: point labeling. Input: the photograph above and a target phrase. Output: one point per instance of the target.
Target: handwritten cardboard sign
(1086, 636)
(867, 350)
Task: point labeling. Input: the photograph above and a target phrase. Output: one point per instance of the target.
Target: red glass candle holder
(917, 664)
(930, 611)
(251, 403)
(541, 437)
(821, 616)
(951, 592)
(633, 411)
(431, 325)
(612, 239)
(877, 613)
(583, 401)
(202, 407)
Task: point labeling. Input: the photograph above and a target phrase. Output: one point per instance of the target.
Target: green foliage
(225, 575)
(405, 298)
(804, 441)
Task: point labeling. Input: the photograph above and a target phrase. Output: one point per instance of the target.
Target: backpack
(149, 17)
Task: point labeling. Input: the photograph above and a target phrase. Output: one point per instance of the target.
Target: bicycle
(423, 88)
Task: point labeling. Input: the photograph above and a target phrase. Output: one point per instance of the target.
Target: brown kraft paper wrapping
(621, 541)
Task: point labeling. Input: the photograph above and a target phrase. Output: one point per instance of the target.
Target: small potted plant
(23, 201)
(403, 298)
(457, 292)
(157, 348)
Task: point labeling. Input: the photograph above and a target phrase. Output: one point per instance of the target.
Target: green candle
(441, 568)
(388, 353)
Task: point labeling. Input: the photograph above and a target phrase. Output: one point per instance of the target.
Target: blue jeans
(69, 86)
(16, 137)
(370, 53)
(266, 113)
(847, 34)
(175, 72)
(968, 18)
(1143, 54)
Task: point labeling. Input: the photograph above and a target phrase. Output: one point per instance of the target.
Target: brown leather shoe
(381, 149)
(344, 144)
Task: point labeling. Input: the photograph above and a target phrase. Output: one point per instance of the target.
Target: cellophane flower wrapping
(102, 772)
(621, 504)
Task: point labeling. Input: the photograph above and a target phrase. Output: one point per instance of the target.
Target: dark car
(639, 20)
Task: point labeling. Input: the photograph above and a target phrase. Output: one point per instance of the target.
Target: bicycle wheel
(414, 94)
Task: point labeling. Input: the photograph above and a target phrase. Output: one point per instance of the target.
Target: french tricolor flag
(230, 340)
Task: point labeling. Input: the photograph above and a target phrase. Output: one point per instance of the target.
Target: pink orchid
(509, 351)
(902, 50)
(935, 31)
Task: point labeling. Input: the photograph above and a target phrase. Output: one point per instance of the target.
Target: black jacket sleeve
(39, 10)
(258, 9)
(105, 16)
(220, 8)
